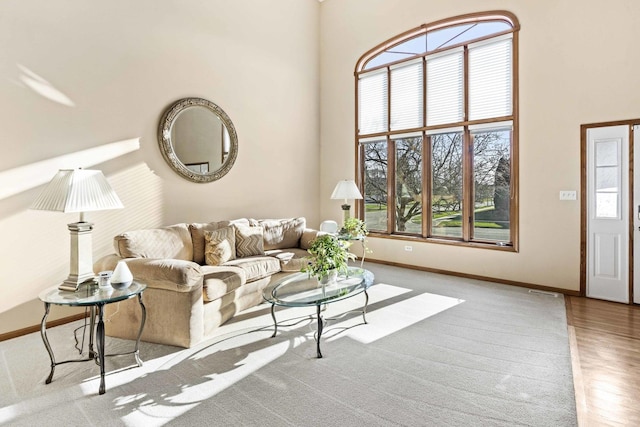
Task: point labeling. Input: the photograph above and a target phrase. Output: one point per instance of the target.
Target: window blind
(406, 96)
(490, 80)
(373, 102)
(445, 88)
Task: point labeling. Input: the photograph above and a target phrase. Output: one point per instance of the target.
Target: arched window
(437, 132)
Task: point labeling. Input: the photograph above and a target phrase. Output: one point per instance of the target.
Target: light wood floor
(605, 350)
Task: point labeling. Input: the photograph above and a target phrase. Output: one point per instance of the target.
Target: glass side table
(350, 239)
(94, 297)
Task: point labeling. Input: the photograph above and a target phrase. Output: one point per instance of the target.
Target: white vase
(121, 277)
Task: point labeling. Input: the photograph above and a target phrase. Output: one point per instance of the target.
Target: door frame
(583, 200)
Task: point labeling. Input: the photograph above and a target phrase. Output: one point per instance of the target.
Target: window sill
(497, 246)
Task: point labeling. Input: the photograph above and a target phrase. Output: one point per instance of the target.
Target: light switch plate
(568, 195)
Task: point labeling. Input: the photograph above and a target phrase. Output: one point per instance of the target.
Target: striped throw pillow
(249, 241)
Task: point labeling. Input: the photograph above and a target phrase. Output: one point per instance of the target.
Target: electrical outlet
(408, 248)
(568, 195)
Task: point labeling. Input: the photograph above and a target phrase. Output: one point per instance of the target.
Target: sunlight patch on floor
(395, 317)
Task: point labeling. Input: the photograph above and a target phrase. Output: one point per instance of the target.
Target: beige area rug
(437, 350)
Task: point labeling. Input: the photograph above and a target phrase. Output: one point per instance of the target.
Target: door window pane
(446, 182)
(607, 176)
(606, 153)
(492, 185)
(375, 185)
(607, 179)
(409, 185)
(607, 205)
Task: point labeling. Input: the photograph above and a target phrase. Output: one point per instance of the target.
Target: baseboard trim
(36, 328)
(477, 277)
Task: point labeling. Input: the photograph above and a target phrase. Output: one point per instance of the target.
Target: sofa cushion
(308, 236)
(249, 241)
(167, 242)
(221, 245)
(220, 280)
(291, 260)
(256, 267)
(281, 233)
(197, 230)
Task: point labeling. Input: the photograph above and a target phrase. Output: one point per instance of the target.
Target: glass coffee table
(94, 297)
(302, 290)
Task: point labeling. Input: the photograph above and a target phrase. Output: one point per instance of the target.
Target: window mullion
(427, 207)
(467, 156)
(391, 185)
(467, 185)
(391, 165)
(424, 92)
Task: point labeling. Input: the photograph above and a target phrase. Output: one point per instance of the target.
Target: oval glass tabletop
(90, 294)
(302, 290)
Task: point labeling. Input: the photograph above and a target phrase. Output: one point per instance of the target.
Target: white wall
(84, 83)
(577, 66)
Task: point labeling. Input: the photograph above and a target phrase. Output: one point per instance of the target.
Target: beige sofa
(186, 298)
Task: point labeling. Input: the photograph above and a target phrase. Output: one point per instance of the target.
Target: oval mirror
(198, 140)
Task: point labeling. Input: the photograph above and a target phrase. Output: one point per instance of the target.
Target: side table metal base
(99, 354)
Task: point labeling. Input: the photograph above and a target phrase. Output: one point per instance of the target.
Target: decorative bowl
(121, 285)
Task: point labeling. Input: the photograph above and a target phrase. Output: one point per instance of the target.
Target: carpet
(437, 350)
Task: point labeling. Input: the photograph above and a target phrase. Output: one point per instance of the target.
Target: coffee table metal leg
(275, 323)
(366, 303)
(136, 353)
(320, 326)
(43, 333)
(100, 344)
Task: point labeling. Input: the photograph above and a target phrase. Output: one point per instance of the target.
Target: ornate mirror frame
(167, 147)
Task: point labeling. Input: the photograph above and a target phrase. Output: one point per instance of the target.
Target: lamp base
(81, 258)
(73, 285)
(346, 211)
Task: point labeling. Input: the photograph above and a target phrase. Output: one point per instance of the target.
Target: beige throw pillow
(281, 233)
(249, 241)
(220, 245)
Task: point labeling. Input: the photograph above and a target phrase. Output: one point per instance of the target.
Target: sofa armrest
(308, 236)
(171, 274)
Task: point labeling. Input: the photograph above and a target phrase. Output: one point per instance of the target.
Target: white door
(608, 213)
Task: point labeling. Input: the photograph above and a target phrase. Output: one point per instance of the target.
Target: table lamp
(78, 190)
(346, 190)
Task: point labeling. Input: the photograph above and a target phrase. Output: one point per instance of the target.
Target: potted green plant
(329, 256)
(354, 227)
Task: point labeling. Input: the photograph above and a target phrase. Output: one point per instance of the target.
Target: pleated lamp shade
(77, 190)
(346, 190)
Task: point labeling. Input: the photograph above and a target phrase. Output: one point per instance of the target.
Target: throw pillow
(281, 233)
(220, 245)
(249, 241)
